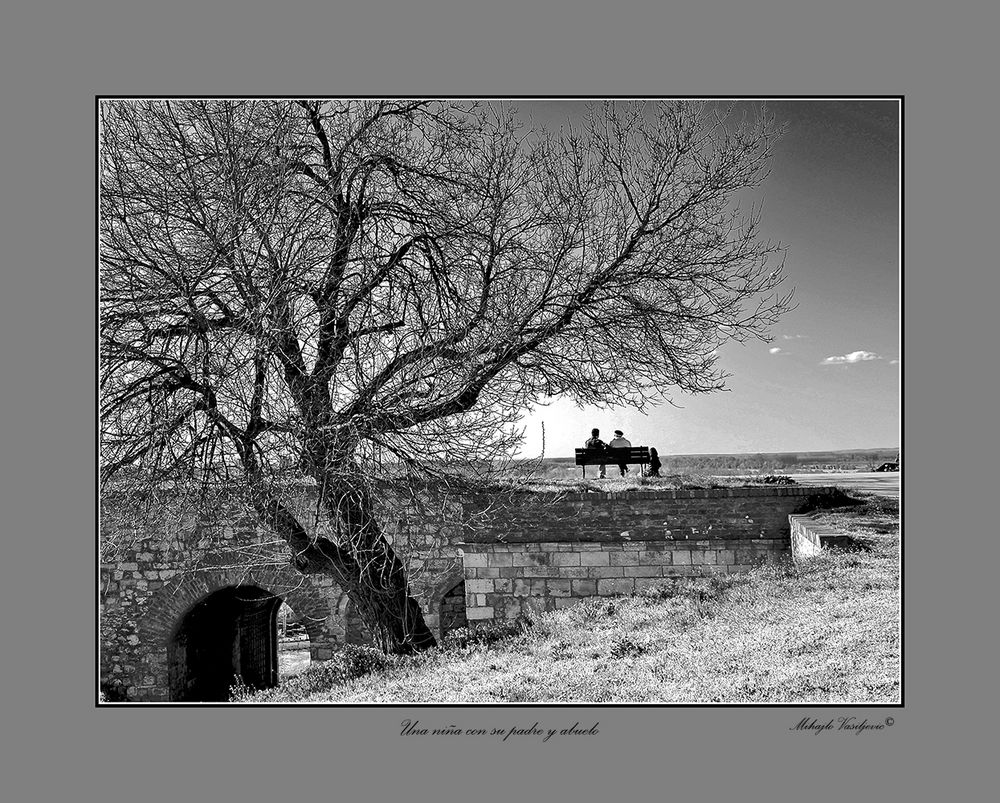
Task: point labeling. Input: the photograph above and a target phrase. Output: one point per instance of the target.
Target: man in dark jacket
(595, 442)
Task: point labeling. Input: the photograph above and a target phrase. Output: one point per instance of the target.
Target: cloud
(893, 362)
(854, 356)
(775, 350)
(795, 337)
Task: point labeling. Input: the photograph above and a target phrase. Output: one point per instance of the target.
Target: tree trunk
(380, 587)
(363, 563)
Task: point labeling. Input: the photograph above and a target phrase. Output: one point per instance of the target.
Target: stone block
(499, 559)
(606, 571)
(681, 571)
(644, 571)
(682, 557)
(624, 559)
(595, 559)
(479, 586)
(479, 613)
(530, 558)
(615, 585)
(559, 588)
(565, 602)
(521, 588)
(475, 559)
(584, 588)
(565, 559)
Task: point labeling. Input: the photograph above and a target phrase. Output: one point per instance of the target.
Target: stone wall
(543, 546)
(809, 536)
(160, 573)
(586, 545)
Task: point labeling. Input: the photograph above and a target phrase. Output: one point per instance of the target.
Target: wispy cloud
(854, 356)
(795, 337)
(774, 350)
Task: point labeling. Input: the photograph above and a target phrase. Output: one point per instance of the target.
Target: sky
(830, 378)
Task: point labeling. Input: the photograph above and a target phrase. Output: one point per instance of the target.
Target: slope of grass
(823, 631)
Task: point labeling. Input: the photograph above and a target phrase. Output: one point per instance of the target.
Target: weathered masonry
(181, 616)
(588, 545)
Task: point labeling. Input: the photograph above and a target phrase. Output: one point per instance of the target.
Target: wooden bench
(629, 455)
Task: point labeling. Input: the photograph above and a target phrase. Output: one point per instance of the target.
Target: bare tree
(342, 292)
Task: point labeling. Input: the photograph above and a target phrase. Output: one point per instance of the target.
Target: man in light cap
(620, 442)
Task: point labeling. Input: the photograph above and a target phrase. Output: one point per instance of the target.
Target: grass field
(823, 631)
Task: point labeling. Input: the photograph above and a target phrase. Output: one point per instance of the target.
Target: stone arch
(181, 593)
(355, 631)
(165, 611)
(448, 593)
(230, 634)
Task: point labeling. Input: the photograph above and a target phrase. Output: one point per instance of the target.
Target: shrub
(490, 632)
(350, 662)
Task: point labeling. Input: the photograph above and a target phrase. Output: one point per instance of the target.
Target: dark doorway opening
(452, 610)
(230, 635)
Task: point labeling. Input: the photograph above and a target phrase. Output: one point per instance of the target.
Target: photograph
(499, 401)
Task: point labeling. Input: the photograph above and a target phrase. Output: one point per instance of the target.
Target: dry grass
(824, 631)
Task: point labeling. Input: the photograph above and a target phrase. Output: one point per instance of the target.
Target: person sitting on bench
(620, 443)
(654, 463)
(595, 442)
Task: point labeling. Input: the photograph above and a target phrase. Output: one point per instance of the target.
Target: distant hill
(771, 462)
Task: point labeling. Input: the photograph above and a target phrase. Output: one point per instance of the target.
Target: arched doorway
(232, 633)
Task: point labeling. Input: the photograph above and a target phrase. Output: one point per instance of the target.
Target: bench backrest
(627, 454)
